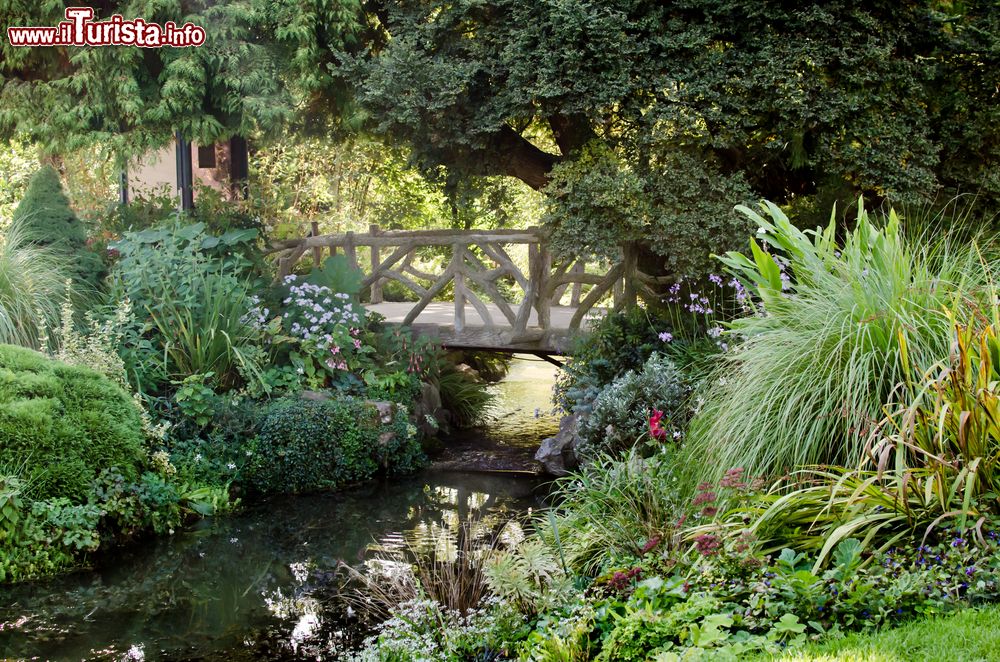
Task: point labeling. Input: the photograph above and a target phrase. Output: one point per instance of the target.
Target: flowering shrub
(325, 333)
(424, 631)
(325, 339)
(652, 400)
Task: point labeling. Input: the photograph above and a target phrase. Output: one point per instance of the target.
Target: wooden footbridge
(533, 310)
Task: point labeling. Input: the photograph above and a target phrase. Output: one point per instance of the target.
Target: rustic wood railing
(477, 262)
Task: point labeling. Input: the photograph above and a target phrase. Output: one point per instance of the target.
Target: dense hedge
(306, 445)
(61, 425)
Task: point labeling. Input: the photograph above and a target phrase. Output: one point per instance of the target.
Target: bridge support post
(629, 294)
(376, 289)
(349, 250)
(457, 261)
(317, 250)
(543, 303)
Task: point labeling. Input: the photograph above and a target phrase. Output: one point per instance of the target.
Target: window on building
(206, 156)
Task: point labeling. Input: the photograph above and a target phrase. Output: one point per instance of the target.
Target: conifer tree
(49, 220)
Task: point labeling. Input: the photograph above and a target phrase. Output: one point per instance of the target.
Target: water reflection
(257, 586)
(252, 586)
(522, 412)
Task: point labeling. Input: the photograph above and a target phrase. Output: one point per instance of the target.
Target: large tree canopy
(641, 119)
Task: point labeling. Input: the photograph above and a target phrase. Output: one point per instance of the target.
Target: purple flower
(665, 336)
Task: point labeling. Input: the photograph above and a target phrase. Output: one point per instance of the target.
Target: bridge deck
(437, 320)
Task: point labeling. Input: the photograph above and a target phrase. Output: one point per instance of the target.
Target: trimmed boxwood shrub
(307, 445)
(60, 425)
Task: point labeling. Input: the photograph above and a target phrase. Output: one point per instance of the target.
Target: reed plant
(613, 510)
(822, 350)
(932, 463)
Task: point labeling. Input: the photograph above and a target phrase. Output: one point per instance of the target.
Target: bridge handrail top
(417, 237)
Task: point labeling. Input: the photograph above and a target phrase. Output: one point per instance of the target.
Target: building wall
(156, 173)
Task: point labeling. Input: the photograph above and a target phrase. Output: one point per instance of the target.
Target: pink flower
(704, 497)
(656, 430)
(707, 544)
(335, 349)
(650, 545)
(357, 344)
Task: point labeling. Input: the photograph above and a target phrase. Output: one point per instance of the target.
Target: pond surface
(250, 586)
(520, 416)
(207, 590)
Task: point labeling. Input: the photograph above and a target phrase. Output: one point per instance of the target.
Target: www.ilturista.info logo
(80, 30)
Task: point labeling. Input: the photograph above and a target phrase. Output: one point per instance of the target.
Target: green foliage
(425, 631)
(728, 603)
(338, 275)
(614, 345)
(613, 509)
(307, 445)
(50, 537)
(680, 210)
(18, 162)
(621, 412)
(190, 293)
(689, 104)
(822, 353)
(64, 423)
(234, 83)
(195, 399)
(524, 576)
(32, 287)
(218, 453)
(463, 394)
(932, 462)
(48, 220)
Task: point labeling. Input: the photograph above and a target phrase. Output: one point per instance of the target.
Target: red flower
(656, 430)
(650, 544)
(707, 544)
(733, 478)
(704, 497)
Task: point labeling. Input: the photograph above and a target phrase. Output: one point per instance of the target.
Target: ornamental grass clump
(932, 463)
(821, 353)
(32, 287)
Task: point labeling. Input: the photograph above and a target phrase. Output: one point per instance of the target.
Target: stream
(247, 586)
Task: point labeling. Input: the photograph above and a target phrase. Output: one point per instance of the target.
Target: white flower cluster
(314, 308)
(257, 315)
(426, 631)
